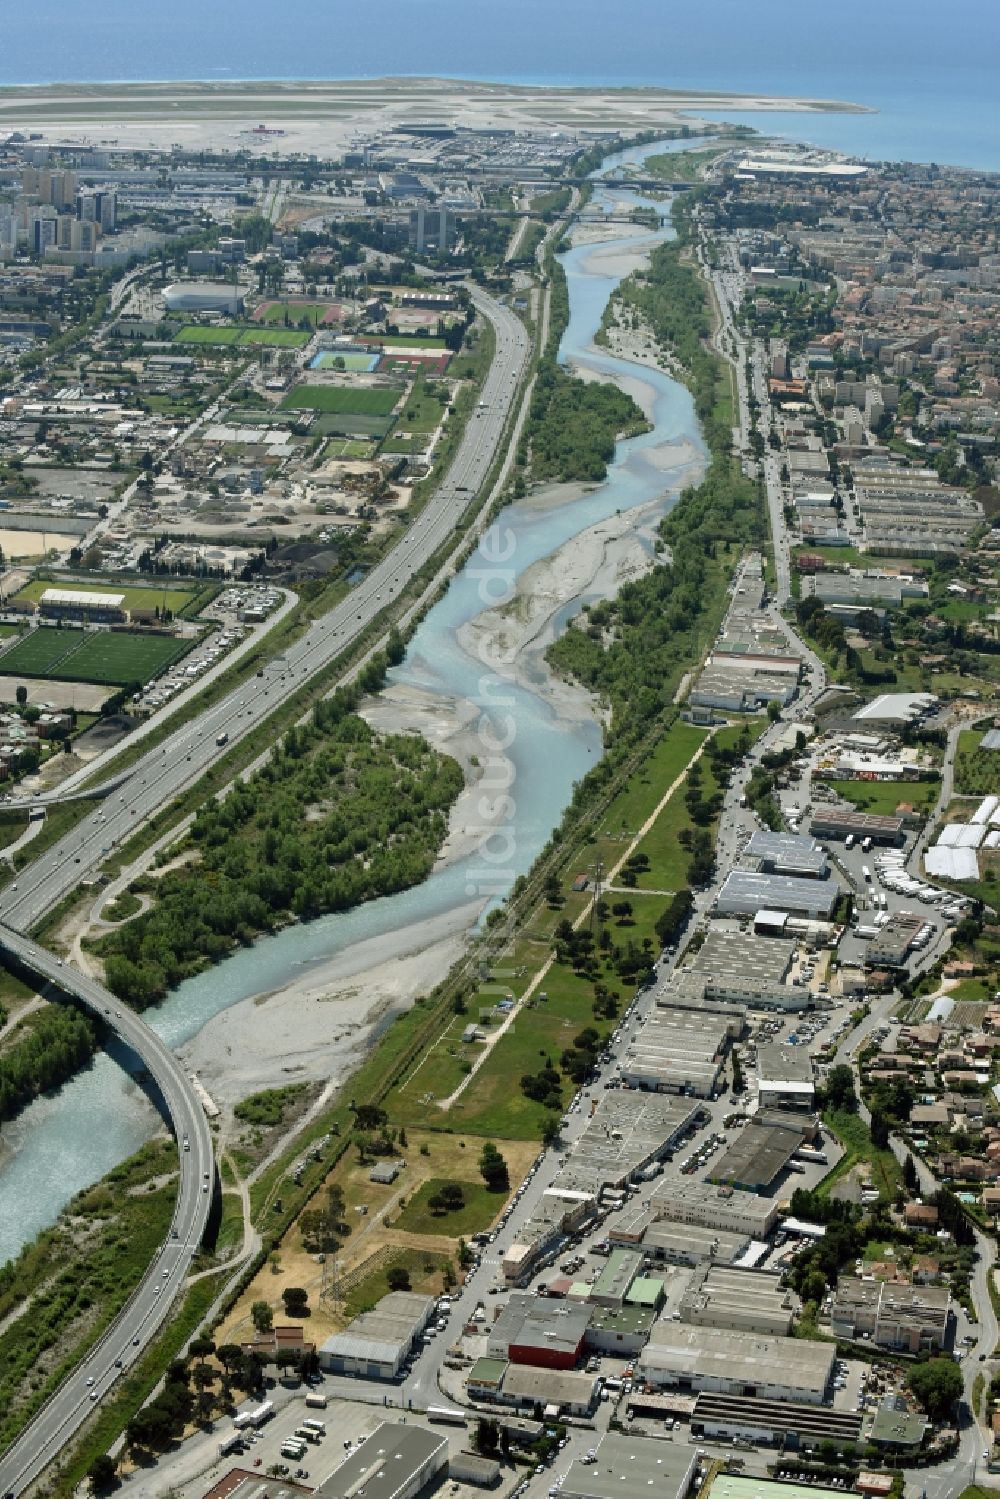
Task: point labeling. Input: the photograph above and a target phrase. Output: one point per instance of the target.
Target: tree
(839, 1091)
(296, 1301)
(102, 1473)
(493, 1169)
(937, 1385)
(398, 1278)
(263, 1317)
(550, 1129)
(910, 1177)
(879, 1130)
(21, 694)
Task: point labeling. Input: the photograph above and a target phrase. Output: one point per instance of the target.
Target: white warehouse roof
(79, 598)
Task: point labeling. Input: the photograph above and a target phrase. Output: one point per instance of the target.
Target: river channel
(62, 1144)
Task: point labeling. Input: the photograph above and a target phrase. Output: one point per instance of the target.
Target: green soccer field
(341, 400)
(71, 655)
(136, 596)
(274, 338)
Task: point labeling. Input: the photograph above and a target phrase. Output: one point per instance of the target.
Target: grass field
(348, 448)
(341, 400)
(273, 313)
(883, 797)
(277, 338)
(177, 600)
(71, 655)
(481, 1207)
(977, 771)
(344, 424)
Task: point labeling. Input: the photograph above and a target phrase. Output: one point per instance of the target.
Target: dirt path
(582, 918)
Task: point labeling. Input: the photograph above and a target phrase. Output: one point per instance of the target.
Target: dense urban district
(686, 1175)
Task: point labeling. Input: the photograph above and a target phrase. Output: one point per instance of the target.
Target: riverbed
(305, 1002)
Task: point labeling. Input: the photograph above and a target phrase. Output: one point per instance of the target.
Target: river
(62, 1144)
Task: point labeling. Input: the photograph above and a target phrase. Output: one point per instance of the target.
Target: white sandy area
(318, 1027)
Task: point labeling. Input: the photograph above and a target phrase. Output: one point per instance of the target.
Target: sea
(928, 69)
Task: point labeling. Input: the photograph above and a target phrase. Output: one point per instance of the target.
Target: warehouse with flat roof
(745, 1300)
(747, 891)
(741, 1363)
(833, 823)
(82, 603)
(687, 1200)
(784, 1076)
(532, 1330)
(760, 1153)
(623, 1136)
(787, 853)
(780, 1422)
(376, 1344)
(630, 1465)
(395, 1462)
(677, 1051)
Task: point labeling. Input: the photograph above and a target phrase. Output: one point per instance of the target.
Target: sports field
(277, 338)
(349, 448)
(273, 313)
(415, 342)
(70, 655)
(136, 596)
(358, 364)
(403, 362)
(342, 400)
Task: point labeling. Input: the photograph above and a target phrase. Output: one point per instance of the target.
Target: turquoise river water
(62, 1144)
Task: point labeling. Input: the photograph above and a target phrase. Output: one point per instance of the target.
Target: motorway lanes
(150, 1303)
(165, 771)
(155, 780)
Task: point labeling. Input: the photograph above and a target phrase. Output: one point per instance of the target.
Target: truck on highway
(849, 841)
(294, 1448)
(232, 1443)
(316, 1401)
(866, 872)
(319, 1427)
(866, 844)
(222, 738)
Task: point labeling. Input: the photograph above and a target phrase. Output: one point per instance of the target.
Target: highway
(163, 773)
(153, 783)
(151, 1302)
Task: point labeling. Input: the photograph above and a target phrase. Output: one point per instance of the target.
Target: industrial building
(377, 1344)
(626, 1464)
(744, 1300)
(746, 891)
(894, 943)
(556, 1391)
(615, 1280)
(533, 1330)
(666, 1243)
(760, 1153)
(784, 1076)
(677, 1051)
(909, 1319)
(395, 1462)
(687, 1200)
(732, 971)
(781, 1423)
(786, 853)
(624, 1137)
(836, 824)
(82, 604)
(679, 1355)
(203, 296)
(620, 1332)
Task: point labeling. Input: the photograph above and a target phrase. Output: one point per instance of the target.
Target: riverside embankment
(307, 1001)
